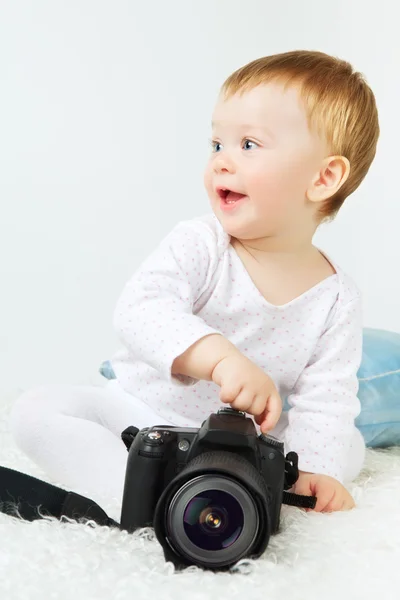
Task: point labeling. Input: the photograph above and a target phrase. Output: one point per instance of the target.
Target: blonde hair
(339, 104)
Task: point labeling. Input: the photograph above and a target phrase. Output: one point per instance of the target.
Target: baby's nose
(223, 164)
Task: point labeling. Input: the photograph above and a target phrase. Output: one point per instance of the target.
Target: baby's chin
(239, 227)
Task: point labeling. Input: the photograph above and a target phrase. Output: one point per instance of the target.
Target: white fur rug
(353, 555)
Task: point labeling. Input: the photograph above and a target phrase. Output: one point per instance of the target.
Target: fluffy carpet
(354, 555)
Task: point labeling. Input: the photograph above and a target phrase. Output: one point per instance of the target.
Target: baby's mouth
(229, 196)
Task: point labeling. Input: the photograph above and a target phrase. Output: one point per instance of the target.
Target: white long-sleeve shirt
(195, 284)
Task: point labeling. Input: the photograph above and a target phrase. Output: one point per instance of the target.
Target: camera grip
(142, 481)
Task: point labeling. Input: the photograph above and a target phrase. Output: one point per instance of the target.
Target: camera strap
(29, 498)
(291, 476)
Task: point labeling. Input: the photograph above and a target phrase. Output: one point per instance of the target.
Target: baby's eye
(249, 145)
(216, 146)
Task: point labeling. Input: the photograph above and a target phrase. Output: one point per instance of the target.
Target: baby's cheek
(269, 189)
(268, 177)
(207, 179)
(278, 189)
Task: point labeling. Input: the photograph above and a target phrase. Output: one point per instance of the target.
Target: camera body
(213, 494)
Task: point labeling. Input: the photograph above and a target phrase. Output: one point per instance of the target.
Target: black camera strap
(298, 500)
(29, 498)
(291, 476)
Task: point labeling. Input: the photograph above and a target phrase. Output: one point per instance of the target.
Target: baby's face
(263, 159)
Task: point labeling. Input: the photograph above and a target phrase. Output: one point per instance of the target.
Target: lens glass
(213, 520)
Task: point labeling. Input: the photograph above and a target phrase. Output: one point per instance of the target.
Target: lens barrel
(215, 511)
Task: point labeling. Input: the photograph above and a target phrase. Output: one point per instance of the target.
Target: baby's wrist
(216, 375)
(200, 359)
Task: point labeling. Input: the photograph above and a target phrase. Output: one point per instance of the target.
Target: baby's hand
(246, 387)
(331, 495)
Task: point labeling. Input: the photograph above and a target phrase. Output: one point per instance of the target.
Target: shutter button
(154, 438)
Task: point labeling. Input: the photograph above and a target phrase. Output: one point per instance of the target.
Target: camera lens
(213, 520)
(214, 512)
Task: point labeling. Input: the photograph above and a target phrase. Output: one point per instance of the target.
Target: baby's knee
(356, 456)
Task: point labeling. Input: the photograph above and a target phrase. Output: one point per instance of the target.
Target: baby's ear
(333, 173)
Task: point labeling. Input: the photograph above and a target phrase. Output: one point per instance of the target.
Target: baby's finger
(272, 412)
(303, 487)
(229, 391)
(243, 400)
(348, 503)
(336, 504)
(348, 506)
(342, 500)
(261, 419)
(325, 494)
(258, 408)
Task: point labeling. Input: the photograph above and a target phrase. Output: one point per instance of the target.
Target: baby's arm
(243, 384)
(155, 319)
(154, 315)
(200, 359)
(324, 401)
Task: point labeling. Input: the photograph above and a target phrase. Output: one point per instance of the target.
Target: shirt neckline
(257, 295)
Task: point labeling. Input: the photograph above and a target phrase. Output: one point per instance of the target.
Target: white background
(104, 125)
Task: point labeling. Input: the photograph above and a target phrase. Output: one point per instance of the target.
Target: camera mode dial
(272, 441)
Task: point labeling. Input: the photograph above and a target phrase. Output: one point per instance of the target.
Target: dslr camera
(213, 494)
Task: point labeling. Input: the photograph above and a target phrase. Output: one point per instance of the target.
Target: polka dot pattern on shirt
(193, 285)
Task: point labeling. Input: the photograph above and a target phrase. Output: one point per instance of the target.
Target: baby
(239, 306)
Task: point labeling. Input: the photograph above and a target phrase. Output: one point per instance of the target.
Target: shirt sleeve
(154, 316)
(324, 401)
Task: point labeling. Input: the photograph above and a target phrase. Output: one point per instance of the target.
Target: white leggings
(73, 433)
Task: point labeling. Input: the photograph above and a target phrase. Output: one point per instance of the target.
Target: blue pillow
(379, 391)
(106, 370)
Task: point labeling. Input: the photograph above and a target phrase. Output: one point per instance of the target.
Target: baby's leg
(74, 434)
(356, 457)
